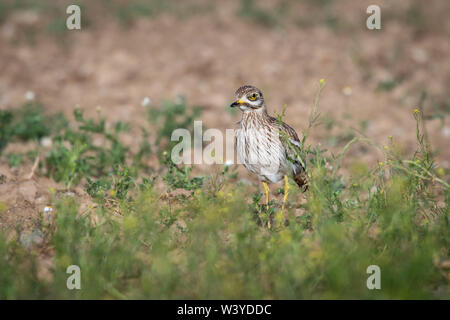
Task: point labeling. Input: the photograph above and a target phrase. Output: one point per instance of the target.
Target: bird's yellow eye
(253, 97)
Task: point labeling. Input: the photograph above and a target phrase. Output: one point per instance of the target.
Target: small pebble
(347, 90)
(34, 238)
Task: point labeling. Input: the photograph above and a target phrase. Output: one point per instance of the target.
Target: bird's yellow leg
(266, 191)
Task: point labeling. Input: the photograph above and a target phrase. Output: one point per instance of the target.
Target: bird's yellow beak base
(237, 103)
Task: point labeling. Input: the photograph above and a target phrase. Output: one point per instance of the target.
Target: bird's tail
(301, 179)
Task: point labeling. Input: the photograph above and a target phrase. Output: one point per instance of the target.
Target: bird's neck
(254, 116)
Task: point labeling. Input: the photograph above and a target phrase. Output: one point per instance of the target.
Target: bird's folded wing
(291, 143)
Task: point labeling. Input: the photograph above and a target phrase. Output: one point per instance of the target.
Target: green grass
(213, 240)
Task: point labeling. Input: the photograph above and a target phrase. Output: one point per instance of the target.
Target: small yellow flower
(390, 137)
(322, 81)
(224, 210)
(380, 163)
(416, 111)
(440, 171)
(386, 148)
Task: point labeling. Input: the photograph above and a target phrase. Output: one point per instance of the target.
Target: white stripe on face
(257, 103)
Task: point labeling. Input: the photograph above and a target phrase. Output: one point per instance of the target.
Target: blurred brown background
(204, 50)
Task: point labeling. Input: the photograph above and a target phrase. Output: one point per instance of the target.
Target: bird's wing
(293, 152)
(291, 142)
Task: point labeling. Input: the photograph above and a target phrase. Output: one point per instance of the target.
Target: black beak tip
(234, 104)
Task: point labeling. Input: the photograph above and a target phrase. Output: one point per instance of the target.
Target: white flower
(48, 209)
(47, 215)
(229, 163)
(146, 102)
(446, 131)
(29, 95)
(46, 142)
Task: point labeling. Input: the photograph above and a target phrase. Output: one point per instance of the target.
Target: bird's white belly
(261, 152)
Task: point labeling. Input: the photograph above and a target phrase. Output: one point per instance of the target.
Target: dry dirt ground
(206, 56)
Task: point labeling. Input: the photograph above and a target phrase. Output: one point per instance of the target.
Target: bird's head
(248, 98)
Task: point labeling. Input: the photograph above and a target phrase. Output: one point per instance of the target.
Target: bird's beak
(236, 103)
